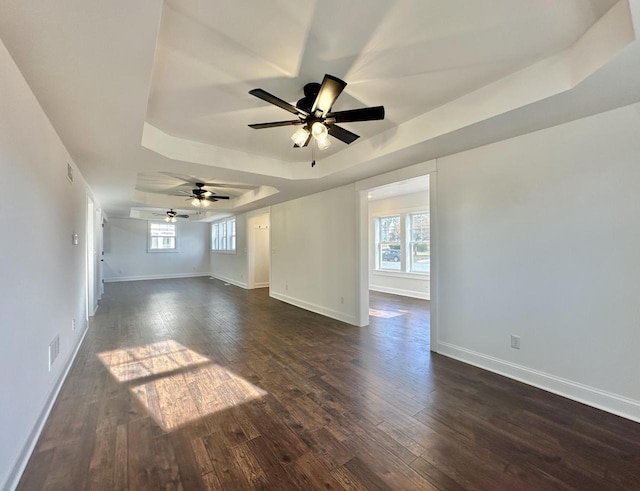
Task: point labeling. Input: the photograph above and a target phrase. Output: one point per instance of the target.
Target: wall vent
(69, 172)
(54, 350)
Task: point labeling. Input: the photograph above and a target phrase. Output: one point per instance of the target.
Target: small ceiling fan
(315, 116)
(171, 216)
(200, 197)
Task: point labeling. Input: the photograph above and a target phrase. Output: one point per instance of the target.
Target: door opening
(397, 253)
(90, 253)
(258, 250)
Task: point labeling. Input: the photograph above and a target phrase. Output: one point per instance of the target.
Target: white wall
(126, 257)
(398, 283)
(539, 236)
(42, 285)
(232, 266)
(313, 245)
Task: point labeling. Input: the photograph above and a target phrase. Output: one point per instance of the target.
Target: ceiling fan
(171, 216)
(315, 116)
(200, 197)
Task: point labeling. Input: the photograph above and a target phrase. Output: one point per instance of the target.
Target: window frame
(406, 262)
(411, 243)
(223, 236)
(379, 243)
(155, 250)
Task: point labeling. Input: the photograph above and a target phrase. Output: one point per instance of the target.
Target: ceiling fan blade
(260, 126)
(330, 89)
(342, 134)
(295, 145)
(179, 177)
(215, 197)
(232, 185)
(363, 114)
(182, 216)
(181, 193)
(265, 96)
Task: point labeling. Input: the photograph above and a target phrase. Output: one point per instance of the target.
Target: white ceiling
(149, 90)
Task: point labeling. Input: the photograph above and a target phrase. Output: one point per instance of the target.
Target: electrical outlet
(515, 341)
(73, 324)
(342, 300)
(286, 287)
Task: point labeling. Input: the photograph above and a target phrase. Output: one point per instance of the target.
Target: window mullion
(404, 235)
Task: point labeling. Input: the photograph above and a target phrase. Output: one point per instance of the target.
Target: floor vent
(54, 350)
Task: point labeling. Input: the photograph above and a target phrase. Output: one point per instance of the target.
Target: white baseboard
(154, 277)
(607, 401)
(318, 309)
(264, 284)
(21, 462)
(400, 291)
(229, 280)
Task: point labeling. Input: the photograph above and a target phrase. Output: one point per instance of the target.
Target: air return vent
(54, 350)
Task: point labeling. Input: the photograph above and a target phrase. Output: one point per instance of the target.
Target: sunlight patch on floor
(178, 399)
(151, 359)
(387, 314)
(182, 385)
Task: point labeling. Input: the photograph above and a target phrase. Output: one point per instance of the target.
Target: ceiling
(151, 96)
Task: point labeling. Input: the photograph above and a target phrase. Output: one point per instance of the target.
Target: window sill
(402, 274)
(221, 251)
(155, 251)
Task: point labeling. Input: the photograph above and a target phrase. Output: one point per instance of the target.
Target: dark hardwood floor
(190, 384)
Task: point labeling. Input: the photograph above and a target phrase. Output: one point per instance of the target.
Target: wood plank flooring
(190, 384)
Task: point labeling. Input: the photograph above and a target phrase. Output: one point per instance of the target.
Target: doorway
(94, 252)
(91, 259)
(397, 253)
(258, 250)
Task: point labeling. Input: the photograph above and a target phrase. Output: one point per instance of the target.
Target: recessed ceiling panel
(410, 56)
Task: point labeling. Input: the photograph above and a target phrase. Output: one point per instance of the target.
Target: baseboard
(21, 462)
(154, 277)
(264, 284)
(318, 309)
(229, 280)
(400, 291)
(600, 399)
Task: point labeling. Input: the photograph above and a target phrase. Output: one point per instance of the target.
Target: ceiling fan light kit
(200, 202)
(300, 137)
(323, 143)
(200, 197)
(315, 116)
(319, 132)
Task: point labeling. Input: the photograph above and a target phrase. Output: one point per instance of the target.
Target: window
(402, 243)
(163, 237)
(420, 245)
(389, 244)
(223, 235)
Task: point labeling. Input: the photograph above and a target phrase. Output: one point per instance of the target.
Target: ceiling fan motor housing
(315, 107)
(310, 93)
